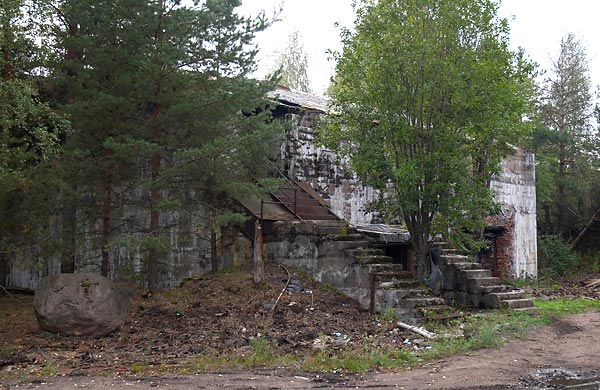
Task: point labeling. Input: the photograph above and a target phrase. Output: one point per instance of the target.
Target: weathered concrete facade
(514, 243)
(187, 247)
(515, 240)
(303, 160)
(186, 252)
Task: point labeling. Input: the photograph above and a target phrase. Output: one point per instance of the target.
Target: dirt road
(572, 343)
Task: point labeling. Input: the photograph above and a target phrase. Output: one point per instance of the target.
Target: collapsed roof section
(296, 99)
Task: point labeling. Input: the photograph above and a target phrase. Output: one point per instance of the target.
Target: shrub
(555, 256)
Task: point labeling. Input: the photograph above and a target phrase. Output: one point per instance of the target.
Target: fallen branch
(592, 283)
(417, 330)
(282, 291)
(10, 295)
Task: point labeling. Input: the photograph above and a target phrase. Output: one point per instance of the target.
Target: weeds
(359, 360)
(560, 307)
(49, 370)
(330, 288)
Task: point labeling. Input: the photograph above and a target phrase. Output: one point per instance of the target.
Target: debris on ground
(215, 315)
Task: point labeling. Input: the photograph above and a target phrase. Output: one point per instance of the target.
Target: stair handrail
(293, 187)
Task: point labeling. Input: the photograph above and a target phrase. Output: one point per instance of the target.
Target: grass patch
(262, 353)
(489, 330)
(49, 370)
(359, 360)
(482, 330)
(558, 308)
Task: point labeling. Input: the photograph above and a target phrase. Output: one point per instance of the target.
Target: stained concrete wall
(322, 250)
(515, 188)
(515, 191)
(186, 252)
(305, 161)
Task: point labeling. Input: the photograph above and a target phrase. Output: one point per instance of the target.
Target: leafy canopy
(425, 99)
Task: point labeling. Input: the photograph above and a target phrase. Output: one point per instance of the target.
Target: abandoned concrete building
(316, 221)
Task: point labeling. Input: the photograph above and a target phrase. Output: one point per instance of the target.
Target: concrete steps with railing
(392, 287)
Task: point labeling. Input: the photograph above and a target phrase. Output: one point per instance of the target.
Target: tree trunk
(561, 200)
(153, 283)
(419, 234)
(259, 261)
(69, 210)
(153, 280)
(106, 225)
(214, 259)
(68, 237)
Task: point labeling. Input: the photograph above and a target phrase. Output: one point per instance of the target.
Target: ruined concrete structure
(305, 161)
(513, 234)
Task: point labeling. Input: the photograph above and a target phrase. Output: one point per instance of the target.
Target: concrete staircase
(467, 283)
(392, 287)
(333, 252)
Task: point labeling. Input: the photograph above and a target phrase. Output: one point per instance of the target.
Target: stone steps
(469, 265)
(420, 302)
(495, 288)
(500, 299)
(474, 285)
(469, 283)
(475, 273)
(368, 251)
(395, 283)
(451, 259)
(523, 303)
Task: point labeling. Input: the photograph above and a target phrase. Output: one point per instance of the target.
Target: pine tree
(564, 140)
(162, 89)
(29, 135)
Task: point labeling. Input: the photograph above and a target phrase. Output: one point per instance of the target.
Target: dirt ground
(221, 317)
(573, 343)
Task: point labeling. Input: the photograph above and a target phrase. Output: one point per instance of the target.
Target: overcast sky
(536, 25)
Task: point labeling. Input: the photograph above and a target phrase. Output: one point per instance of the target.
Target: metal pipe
(295, 200)
(262, 202)
(372, 292)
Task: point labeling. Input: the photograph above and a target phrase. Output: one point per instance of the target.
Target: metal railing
(293, 202)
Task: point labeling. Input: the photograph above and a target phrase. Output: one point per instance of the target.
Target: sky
(536, 25)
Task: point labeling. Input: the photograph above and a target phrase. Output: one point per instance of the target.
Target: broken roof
(299, 99)
(385, 233)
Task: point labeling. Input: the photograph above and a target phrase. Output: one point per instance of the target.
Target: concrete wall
(322, 249)
(305, 161)
(515, 191)
(186, 252)
(333, 179)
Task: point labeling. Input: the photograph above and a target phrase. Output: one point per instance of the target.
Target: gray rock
(80, 305)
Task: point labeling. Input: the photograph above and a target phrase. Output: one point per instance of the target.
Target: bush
(555, 256)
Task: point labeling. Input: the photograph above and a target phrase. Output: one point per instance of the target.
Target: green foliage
(426, 98)
(555, 256)
(292, 64)
(565, 145)
(165, 117)
(367, 358)
(30, 131)
(560, 307)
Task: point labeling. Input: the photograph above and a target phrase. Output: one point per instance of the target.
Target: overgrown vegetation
(233, 335)
(416, 97)
(555, 257)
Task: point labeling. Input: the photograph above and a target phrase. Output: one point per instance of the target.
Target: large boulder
(80, 305)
